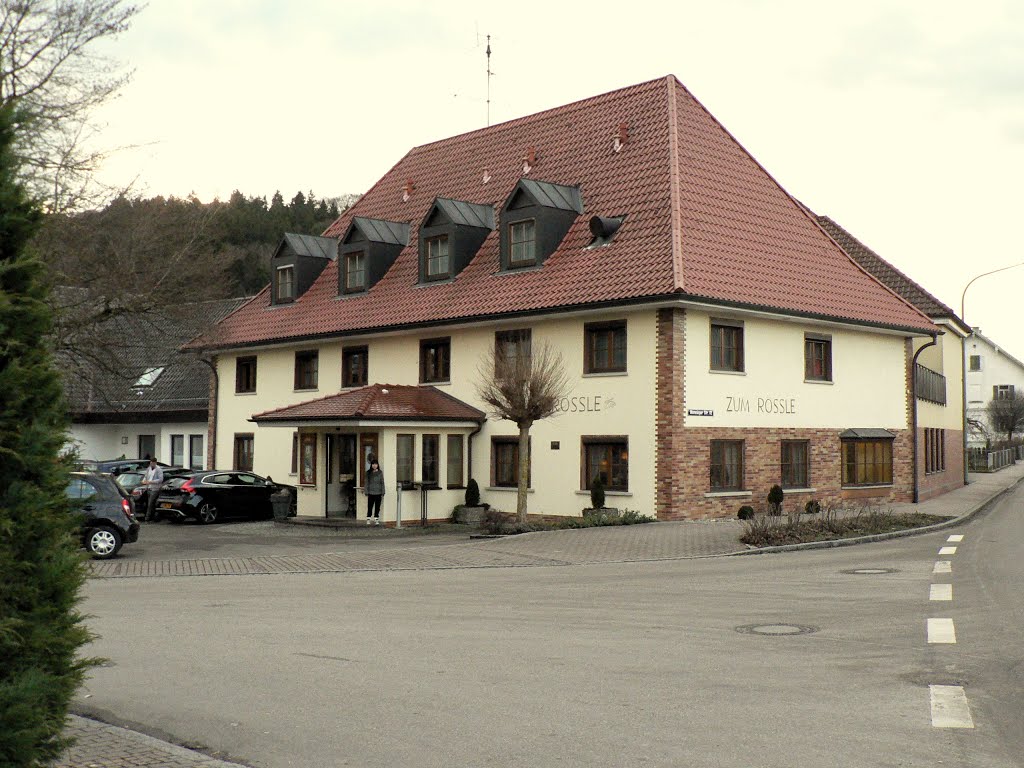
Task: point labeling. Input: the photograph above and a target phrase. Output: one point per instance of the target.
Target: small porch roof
(377, 402)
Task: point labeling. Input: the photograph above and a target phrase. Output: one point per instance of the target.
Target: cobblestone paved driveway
(261, 548)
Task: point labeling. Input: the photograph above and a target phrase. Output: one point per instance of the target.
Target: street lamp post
(976, 277)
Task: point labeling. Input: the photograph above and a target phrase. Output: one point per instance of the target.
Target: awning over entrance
(378, 402)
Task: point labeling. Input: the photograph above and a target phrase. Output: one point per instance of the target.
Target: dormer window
(450, 235)
(523, 240)
(438, 265)
(285, 284)
(355, 271)
(367, 251)
(535, 219)
(297, 263)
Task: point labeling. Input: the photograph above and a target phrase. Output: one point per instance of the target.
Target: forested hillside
(150, 261)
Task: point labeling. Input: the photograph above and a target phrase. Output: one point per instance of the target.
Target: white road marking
(941, 592)
(949, 707)
(943, 566)
(956, 537)
(941, 631)
(947, 551)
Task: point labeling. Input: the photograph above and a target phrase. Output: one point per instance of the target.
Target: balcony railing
(929, 385)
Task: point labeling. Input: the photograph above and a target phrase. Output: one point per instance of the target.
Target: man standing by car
(153, 480)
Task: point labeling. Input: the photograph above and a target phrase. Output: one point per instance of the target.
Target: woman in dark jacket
(374, 493)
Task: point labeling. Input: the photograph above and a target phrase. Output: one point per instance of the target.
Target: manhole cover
(776, 629)
(869, 571)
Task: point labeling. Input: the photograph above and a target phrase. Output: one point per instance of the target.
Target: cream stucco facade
(867, 387)
(614, 405)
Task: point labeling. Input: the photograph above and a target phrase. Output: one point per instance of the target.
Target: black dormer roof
(308, 245)
(548, 195)
(379, 231)
(461, 213)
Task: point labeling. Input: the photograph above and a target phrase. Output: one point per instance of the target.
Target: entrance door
(341, 475)
(367, 449)
(147, 446)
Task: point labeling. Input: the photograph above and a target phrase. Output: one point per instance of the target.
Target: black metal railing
(929, 385)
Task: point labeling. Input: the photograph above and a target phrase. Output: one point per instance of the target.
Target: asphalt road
(600, 665)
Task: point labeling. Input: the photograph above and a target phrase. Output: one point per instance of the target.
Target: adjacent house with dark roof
(717, 340)
(143, 398)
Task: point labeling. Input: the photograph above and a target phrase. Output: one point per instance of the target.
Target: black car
(215, 494)
(119, 466)
(135, 483)
(106, 509)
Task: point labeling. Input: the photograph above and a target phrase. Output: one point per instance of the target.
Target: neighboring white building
(992, 372)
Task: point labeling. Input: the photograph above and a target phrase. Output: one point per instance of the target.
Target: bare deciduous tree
(52, 72)
(1006, 414)
(523, 387)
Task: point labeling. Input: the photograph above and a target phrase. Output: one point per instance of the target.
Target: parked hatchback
(106, 510)
(215, 494)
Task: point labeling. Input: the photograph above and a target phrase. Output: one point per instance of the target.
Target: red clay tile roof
(703, 220)
(379, 402)
(887, 273)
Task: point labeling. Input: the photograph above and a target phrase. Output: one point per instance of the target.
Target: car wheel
(103, 543)
(207, 513)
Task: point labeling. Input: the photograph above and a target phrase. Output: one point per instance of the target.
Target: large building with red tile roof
(716, 339)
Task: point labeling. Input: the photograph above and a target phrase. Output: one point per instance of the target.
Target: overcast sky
(903, 120)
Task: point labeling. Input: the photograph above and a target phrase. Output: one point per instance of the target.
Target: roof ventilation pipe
(603, 227)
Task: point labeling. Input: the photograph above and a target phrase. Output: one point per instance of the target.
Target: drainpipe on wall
(211, 431)
(913, 411)
(469, 449)
(963, 403)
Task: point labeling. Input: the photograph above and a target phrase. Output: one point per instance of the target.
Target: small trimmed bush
(504, 523)
(597, 493)
(472, 493)
(746, 512)
(775, 496)
(812, 507)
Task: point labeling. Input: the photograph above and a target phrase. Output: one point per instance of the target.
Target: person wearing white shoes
(374, 491)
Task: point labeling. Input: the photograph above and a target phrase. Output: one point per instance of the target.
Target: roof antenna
(489, 73)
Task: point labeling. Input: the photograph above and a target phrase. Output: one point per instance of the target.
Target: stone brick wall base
(762, 460)
(949, 479)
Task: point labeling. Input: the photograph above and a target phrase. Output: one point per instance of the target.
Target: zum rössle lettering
(579, 404)
(782, 405)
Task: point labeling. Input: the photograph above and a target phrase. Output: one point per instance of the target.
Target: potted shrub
(472, 512)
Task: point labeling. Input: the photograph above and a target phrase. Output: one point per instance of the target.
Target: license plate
(165, 505)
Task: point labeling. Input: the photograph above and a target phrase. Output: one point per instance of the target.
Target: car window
(129, 479)
(246, 479)
(224, 479)
(78, 488)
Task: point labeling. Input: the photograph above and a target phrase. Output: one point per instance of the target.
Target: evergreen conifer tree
(41, 569)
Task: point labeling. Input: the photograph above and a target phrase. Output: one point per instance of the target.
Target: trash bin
(281, 501)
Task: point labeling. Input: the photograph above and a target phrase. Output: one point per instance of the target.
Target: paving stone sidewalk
(100, 745)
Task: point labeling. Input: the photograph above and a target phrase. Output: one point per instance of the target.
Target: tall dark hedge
(41, 568)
